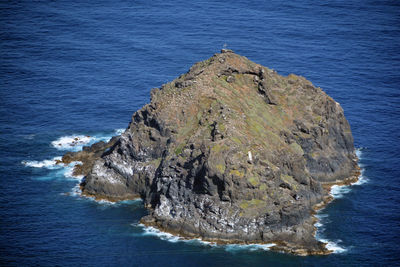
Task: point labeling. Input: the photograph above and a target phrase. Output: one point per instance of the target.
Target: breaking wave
(50, 164)
(77, 192)
(152, 231)
(61, 170)
(337, 192)
(250, 247)
(69, 171)
(333, 246)
(119, 131)
(54, 164)
(76, 142)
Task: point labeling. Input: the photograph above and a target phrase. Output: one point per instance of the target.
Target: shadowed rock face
(230, 151)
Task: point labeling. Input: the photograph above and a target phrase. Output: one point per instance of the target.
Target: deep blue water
(77, 68)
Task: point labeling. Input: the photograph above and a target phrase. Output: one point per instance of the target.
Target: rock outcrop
(229, 152)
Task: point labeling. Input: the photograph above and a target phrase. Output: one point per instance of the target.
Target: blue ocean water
(70, 68)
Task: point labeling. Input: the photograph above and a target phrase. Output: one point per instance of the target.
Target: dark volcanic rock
(233, 152)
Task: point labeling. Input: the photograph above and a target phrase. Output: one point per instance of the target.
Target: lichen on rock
(230, 152)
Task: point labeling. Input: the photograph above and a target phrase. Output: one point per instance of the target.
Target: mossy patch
(203, 64)
(179, 149)
(254, 181)
(296, 148)
(221, 127)
(246, 204)
(237, 173)
(289, 179)
(263, 187)
(156, 162)
(236, 140)
(220, 167)
(317, 118)
(217, 148)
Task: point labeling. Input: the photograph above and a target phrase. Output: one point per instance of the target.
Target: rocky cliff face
(230, 152)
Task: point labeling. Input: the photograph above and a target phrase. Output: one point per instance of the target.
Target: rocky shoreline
(230, 152)
(279, 245)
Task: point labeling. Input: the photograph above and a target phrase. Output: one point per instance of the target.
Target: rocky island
(229, 152)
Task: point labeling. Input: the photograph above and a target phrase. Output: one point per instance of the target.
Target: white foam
(151, 231)
(318, 225)
(53, 164)
(76, 191)
(47, 163)
(69, 170)
(104, 203)
(338, 191)
(76, 142)
(359, 152)
(72, 142)
(330, 245)
(333, 246)
(321, 216)
(119, 131)
(251, 247)
(361, 179)
(118, 203)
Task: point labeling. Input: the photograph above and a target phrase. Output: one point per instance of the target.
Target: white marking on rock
(250, 156)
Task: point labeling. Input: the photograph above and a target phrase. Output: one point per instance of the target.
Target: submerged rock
(230, 152)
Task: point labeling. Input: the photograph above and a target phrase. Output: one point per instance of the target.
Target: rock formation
(229, 152)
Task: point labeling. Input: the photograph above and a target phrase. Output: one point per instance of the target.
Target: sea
(73, 73)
